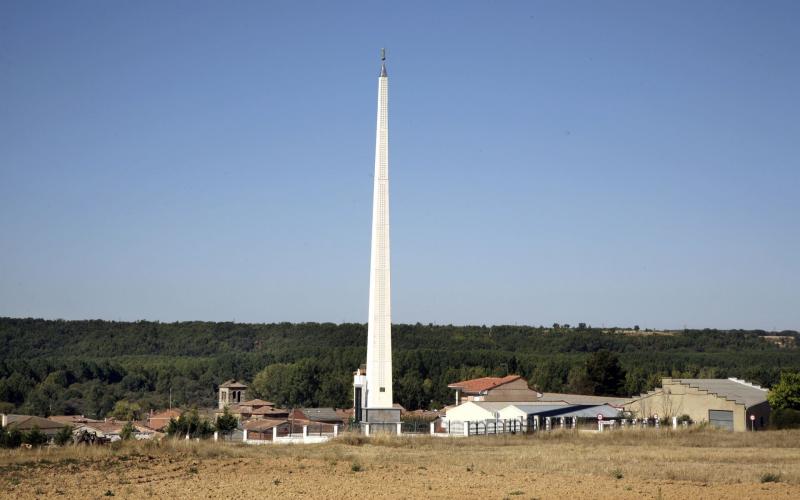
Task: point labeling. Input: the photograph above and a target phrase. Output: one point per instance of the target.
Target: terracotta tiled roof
(28, 422)
(478, 385)
(159, 421)
(345, 413)
(168, 414)
(256, 402)
(264, 424)
(142, 428)
(233, 384)
(105, 427)
(71, 419)
(266, 411)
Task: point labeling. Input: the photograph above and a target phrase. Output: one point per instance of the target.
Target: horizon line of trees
(87, 367)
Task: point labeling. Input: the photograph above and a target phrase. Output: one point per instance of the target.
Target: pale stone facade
(726, 403)
(231, 393)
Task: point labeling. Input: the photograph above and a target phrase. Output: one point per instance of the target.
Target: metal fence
(415, 427)
(535, 424)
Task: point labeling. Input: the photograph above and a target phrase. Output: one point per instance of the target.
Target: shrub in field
(11, 439)
(785, 418)
(786, 393)
(226, 422)
(64, 436)
(353, 439)
(190, 423)
(770, 477)
(127, 431)
(34, 437)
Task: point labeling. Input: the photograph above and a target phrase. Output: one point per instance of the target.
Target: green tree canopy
(226, 422)
(128, 431)
(786, 393)
(189, 424)
(64, 436)
(604, 373)
(10, 438)
(125, 410)
(34, 437)
(87, 367)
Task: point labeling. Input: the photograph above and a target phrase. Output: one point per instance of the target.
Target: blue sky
(613, 163)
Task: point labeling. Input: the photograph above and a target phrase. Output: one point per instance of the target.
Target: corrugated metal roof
(728, 388)
(581, 399)
(584, 411)
(537, 409)
(552, 409)
(321, 414)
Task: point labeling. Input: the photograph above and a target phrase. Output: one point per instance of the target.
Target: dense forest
(85, 367)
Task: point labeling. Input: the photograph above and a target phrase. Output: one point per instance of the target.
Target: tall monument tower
(377, 398)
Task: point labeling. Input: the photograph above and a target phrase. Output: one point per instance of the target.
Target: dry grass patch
(623, 464)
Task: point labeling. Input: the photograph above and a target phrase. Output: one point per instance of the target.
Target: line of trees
(14, 438)
(88, 367)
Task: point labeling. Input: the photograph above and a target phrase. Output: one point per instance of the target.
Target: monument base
(380, 420)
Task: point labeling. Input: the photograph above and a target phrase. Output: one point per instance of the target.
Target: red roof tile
(256, 403)
(478, 385)
(166, 414)
(264, 424)
(71, 419)
(269, 411)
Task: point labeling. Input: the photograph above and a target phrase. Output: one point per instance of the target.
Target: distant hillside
(86, 366)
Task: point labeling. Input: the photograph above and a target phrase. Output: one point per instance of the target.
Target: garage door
(722, 419)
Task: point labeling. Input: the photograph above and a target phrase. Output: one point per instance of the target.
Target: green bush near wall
(785, 418)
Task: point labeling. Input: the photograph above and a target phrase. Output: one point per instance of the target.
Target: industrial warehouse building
(473, 411)
(479, 411)
(723, 403)
(498, 402)
(730, 404)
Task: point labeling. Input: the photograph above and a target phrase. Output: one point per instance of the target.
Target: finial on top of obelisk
(383, 63)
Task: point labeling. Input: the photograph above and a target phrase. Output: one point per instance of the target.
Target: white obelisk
(379, 334)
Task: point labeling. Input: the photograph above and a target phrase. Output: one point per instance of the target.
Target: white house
(517, 411)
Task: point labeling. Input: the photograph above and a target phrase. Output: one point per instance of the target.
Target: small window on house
(383, 389)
